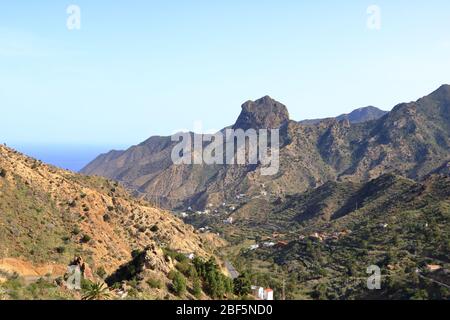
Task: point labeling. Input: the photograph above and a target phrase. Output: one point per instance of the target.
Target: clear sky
(142, 68)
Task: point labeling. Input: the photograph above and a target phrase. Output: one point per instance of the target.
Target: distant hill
(413, 140)
(356, 116)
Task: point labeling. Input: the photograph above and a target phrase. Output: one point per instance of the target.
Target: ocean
(73, 157)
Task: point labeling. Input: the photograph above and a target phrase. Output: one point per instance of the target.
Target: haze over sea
(71, 157)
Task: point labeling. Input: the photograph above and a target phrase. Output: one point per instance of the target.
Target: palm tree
(97, 291)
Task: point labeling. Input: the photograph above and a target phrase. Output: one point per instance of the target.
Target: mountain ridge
(412, 139)
(359, 115)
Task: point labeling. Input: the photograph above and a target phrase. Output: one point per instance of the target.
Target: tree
(320, 292)
(179, 283)
(228, 283)
(197, 288)
(242, 285)
(420, 295)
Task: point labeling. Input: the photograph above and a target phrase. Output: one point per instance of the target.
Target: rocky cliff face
(264, 113)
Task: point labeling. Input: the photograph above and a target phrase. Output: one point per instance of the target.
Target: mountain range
(412, 140)
(369, 188)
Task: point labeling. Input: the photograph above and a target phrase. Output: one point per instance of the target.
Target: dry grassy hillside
(48, 215)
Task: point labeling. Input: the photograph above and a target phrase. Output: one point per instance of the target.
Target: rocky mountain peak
(363, 114)
(262, 113)
(442, 93)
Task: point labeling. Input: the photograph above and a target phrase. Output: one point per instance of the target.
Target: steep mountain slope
(328, 237)
(413, 140)
(48, 215)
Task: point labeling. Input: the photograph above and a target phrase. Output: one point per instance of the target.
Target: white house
(262, 294)
(269, 244)
(254, 247)
(258, 292)
(268, 294)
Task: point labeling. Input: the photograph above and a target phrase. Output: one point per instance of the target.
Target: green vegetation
(242, 285)
(43, 289)
(179, 283)
(197, 288)
(154, 283)
(96, 291)
(101, 272)
(31, 226)
(215, 283)
(85, 239)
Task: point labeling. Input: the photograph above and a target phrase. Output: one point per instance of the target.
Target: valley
(368, 188)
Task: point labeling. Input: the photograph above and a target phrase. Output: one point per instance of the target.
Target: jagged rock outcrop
(264, 113)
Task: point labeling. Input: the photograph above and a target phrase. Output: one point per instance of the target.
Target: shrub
(175, 255)
(154, 283)
(66, 239)
(101, 272)
(71, 203)
(320, 292)
(107, 218)
(76, 230)
(61, 249)
(154, 228)
(2, 173)
(187, 269)
(85, 239)
(242, 285)
(197, 288)
(135, 253)
(179, 283)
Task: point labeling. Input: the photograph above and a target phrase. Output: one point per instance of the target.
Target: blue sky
(142, 68)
